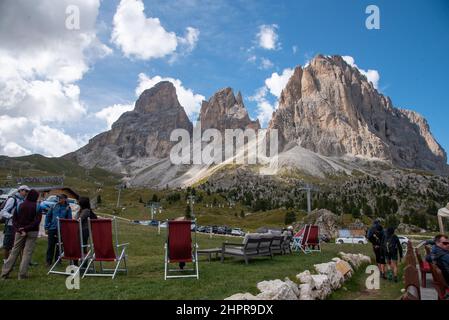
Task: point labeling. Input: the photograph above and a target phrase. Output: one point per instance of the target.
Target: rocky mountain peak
(143, 133)
(158, 99)
(330, 108)
(226, 111)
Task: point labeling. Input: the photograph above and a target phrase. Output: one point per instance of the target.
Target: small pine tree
(140, 199)
(99, 199)
(242, 214)
(154, 199)
(290, 217)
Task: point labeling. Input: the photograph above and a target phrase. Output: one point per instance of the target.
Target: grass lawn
(145, 278)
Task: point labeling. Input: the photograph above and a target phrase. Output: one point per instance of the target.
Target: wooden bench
(253, 245)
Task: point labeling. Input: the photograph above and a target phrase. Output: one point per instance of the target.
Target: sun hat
(24, 187)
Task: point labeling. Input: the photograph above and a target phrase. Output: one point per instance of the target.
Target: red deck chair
(104, 250)
(178, 248)
(424, 268)
(313, 240)
(71, 248)
(300, 239)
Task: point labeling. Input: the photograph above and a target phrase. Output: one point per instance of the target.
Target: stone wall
(326, 277)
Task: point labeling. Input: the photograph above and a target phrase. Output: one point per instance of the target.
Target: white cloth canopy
(443, 213)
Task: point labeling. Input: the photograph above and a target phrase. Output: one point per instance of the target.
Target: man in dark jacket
(26, 220)
(440, 255)
(376, 236)
(60, 210)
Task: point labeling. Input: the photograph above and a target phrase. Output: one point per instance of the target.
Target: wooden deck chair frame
(296, 244)
(300, 243)
(81, 261)
(195, 268)
(119, 250)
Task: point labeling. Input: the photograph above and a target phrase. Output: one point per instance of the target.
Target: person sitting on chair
(440, 255)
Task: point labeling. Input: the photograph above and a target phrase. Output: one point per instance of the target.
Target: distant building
(45, 192)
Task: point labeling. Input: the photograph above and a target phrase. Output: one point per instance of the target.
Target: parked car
(221, 230)
(237, 232)
(354, 240)
(154, 223)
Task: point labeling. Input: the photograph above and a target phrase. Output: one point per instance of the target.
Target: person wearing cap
(7, 213)
(60, 210)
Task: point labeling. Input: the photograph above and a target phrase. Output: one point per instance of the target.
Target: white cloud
(187, 98)
(273, 85)
(112, 113)
(36, 43)
(40, 61)
(276, 83)
(267, 37)
(372, 75)
(252, 59)
(295, 49)
(190, 39)
(264, 108)
(144, 37)
(20, 136)
(266, 64)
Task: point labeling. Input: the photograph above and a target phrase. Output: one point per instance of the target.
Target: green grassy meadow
(146, 270)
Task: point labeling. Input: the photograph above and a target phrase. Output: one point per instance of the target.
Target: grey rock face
(225, 111)
(330, 108)
(141, 133)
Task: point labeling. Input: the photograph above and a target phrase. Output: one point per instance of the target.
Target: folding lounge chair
(301, 238)
(297, 239)
(313, 240)
(71, 248)
(104, 250)
(178, 249)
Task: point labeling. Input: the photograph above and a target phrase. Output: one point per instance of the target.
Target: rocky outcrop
(325, 220)
(330, 108)
(225, 111)
(138, 134)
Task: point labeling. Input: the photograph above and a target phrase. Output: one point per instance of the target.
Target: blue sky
(409, 52)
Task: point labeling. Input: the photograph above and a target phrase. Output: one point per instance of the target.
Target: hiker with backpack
(376, 236)
(6, 213)
(393, 252)
(84, 214)
(26, 219)
(60, 210)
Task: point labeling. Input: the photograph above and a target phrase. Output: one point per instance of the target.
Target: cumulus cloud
(265, 109)
(40, 61)
(112, 113)
(372, 75)
(20, 136)
(276, 83)
(187, 98)
(144, 37)
(267, 37)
